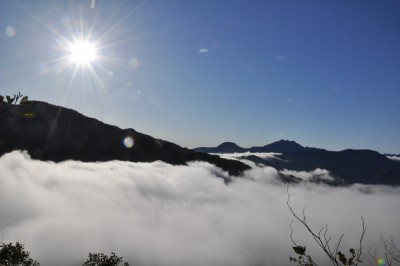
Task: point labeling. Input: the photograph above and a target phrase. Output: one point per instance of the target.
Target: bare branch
(388, 259)
(392, 251)
(323, 240)
(364, 228)
(392, 245)
(372, 256)
(338, 244)
(304, 213)
(324, 245)
(291, 234)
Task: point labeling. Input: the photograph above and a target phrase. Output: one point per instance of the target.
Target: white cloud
(203, 50)
(159, 214)
(317, 173)
(394, 158)
(264, 155)
(238, 156)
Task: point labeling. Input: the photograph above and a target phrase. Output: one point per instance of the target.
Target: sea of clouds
(158, 214)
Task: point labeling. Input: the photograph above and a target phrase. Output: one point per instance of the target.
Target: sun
(82, 52)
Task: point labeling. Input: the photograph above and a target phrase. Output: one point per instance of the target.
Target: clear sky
(197, 73)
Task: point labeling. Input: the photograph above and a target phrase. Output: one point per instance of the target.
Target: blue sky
(197, 73)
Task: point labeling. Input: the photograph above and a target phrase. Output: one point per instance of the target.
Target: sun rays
(80, 49)
(82, 53)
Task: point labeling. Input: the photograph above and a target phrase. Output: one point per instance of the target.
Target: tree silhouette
(100, 259)
(15, 255)
(12, 100)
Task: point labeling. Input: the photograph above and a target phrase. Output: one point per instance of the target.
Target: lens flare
(380, 262)
(128, 142)
(10, 31)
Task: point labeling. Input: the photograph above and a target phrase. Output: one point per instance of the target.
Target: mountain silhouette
(226, 147)
(350, 166)
(279, 146)
(55, 133)
(230, 147)
(347, 166)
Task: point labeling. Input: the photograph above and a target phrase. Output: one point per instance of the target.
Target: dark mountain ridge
(55, 133)
(279, 146)
(348, 166)
(225, 147)
(230, 147)
(351, 166)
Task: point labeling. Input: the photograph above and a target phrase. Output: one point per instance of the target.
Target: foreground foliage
(336, 257)
(15, 255)
(14, 99)
(100, 259)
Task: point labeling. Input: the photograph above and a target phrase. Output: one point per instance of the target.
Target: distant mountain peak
(225, 147)
(285, 141)
(231, 147)
(279, 146)
(228, 144)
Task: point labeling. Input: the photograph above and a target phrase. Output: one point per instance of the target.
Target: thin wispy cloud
(203, 51)
(159, 214)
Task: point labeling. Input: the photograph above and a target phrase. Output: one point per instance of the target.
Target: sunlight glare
(82, 53)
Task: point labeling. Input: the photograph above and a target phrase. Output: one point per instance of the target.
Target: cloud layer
(396, 158)
(158, 214)
(317, 173)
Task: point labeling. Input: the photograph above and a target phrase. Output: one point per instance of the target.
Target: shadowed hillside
(55, 133)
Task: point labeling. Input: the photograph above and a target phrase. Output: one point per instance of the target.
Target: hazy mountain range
(347, 166)
(230, 147)
(55, 133)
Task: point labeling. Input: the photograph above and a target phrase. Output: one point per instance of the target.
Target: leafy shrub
(12, 100)
(15, 255)
(100, 259)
